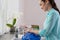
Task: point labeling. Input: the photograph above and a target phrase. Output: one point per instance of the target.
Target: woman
(50, 30)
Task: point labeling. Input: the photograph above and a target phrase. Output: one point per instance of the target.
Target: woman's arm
(34, 31)
(49, 24)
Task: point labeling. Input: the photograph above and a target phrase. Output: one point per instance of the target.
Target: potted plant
(12, 26)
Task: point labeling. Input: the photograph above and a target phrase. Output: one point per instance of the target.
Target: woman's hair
(52, 2)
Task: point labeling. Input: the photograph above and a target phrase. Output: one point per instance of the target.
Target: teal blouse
(50, 30)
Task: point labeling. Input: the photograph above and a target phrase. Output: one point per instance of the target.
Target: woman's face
(43, 5)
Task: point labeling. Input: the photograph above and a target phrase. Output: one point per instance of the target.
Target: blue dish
(31, 36)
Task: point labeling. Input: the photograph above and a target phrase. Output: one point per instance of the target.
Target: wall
(58, 3)
(32, 13)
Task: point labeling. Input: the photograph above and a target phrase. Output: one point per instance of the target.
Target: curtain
(10, 9)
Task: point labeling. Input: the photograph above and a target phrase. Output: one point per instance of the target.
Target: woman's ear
(47, 2)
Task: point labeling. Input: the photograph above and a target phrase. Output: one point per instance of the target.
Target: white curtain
(2, 15)
(10, 9)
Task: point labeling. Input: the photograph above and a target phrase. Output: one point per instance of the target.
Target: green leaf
(14, 21)
(10, 25)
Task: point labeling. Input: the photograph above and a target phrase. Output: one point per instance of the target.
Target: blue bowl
(31, 36)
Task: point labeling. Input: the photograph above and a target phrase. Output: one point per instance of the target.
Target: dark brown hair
(52, 2)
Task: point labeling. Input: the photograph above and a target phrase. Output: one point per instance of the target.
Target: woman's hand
(27, 30)
(33, 31)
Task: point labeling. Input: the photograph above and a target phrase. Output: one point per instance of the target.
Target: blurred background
(25, 11)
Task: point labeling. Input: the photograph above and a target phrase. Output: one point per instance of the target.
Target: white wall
(33, 14)
(58, 3)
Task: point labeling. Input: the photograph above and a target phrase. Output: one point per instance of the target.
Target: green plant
(13, 23)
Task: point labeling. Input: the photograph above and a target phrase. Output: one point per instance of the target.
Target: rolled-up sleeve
(49, 25)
